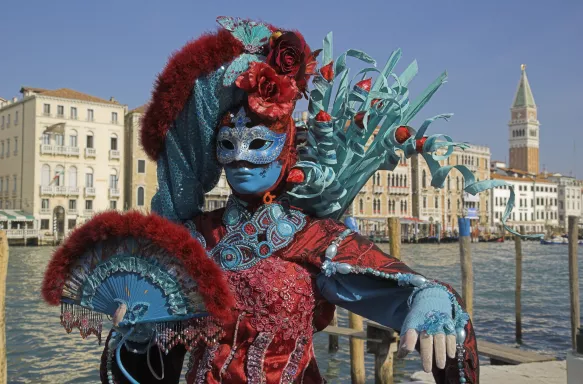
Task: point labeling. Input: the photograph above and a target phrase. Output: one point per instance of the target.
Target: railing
(378, 189)
(21, 233)
(49, 149)
(58, 190)
(113, 192)
(113, 154)
(72, 211)
(45, 211)
(73, 190)
(399, 190)
(89, 191)
(90, 152)
(88, 212)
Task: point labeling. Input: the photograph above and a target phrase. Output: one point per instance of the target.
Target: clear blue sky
(116, 48)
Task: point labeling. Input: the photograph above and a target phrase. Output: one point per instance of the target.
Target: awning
(12, 215)
(413, 220)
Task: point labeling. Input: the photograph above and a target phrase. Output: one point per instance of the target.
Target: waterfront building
(523, 129)
(569, 196)
(536, 201)
(61, 157)
(140, 183)
(442, 207)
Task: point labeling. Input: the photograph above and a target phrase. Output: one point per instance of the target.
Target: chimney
(14, 99)
(112, 99)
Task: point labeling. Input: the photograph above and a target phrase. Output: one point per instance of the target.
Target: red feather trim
(173, 238)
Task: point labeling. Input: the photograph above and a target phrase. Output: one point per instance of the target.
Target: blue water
(40, 351)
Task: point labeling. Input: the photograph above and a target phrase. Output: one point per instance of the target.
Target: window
(46, 175)
(73, 114)
(15, 146)
(73, 139)
(1, 148)
(1, 183)
(16, 118)
(112, 204)
(14, 183)
(113, 179)
(59, 178)
(424, 202)
(8, 121)
(89, 141)
(89, 205)
(46, 139)
(60, 111)
(113, 143)
(89, 178)
(71, 223)
(73, 177)
(45, 204)
(436, 202)
(7, 147)
(141, 166)
(90, 115)
(47, 109)
(141, 197)
(60, 140)
(44, 224)
(114, 117)
(2, 123)
(7, 184)
(423, 180)
(72, 205)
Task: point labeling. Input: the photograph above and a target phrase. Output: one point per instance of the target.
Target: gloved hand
(431, 317)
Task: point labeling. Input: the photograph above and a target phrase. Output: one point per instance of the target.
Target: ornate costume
(245, 287)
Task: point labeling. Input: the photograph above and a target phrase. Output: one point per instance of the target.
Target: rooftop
(526, 179)
(140, 109)
(66, 93)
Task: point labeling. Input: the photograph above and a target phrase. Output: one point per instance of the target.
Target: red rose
(291, 56)
(269, 94)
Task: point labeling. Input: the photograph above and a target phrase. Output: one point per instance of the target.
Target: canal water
(40, 351)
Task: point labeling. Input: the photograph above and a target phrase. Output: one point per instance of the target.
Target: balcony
(113, 154)
(399, 190)
(90, 152)
(45, 211)
(89, 191)
(113, 192)
(88, 212)
(72, 212)
(53, 190)
(63, 150)
(378, 189)
(21, 233)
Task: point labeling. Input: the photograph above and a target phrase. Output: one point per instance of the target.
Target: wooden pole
(357, 372)
(574, 277)
(394, 225)
(466, 264)
(518, 288)
(3, 273)
(333, 339)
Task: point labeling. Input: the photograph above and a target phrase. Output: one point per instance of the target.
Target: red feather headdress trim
(171, 237)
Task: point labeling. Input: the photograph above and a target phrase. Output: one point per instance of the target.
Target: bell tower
(523, 129)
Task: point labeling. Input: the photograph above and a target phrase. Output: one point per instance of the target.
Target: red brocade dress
(279, 306)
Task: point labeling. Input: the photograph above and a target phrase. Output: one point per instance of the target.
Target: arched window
(73, 176)
(448, 184)
(436, 202)
(448, 204)
(405, 206)
(424, 179)
(59, 176)
(393, 180)
(141, 196)
(113, 142)
(458, 204)
(361, 206)
(378, 179)
(405, 181)
(46, 176)
(457, 183)
(400, 180)
(89, 177)
(113, 178)
(374, 180)
(73, 138)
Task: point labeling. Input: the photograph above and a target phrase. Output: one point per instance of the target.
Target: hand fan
(147, 273)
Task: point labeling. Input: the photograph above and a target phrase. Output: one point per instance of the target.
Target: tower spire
(523, 97)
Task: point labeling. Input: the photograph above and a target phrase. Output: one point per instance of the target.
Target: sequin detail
(233, 349)
(251, 238)
(205, 364)
(256, 356)
(291, 368)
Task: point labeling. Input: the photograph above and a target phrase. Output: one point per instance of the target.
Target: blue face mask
(252, 181)
(256, 145)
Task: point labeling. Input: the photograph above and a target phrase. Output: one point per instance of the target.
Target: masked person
(225, 102)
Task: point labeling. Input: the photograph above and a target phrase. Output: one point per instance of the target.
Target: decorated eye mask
(257, 145)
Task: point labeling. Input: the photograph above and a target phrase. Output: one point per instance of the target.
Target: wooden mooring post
(333, 339)
(357, 372)
(518, 288)
(466, 264)
(574, 277)
(3, 273)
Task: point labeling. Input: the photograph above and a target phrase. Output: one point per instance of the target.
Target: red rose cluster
(274, 86)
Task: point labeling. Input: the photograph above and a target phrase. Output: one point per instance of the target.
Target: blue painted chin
(251, 181)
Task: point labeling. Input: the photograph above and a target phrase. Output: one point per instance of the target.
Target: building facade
(524, 129)
(442, 207)
(61, 156)
(140, 182)
(536, 201)
(569, 196)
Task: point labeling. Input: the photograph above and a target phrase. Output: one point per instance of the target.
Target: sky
(116, 48)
